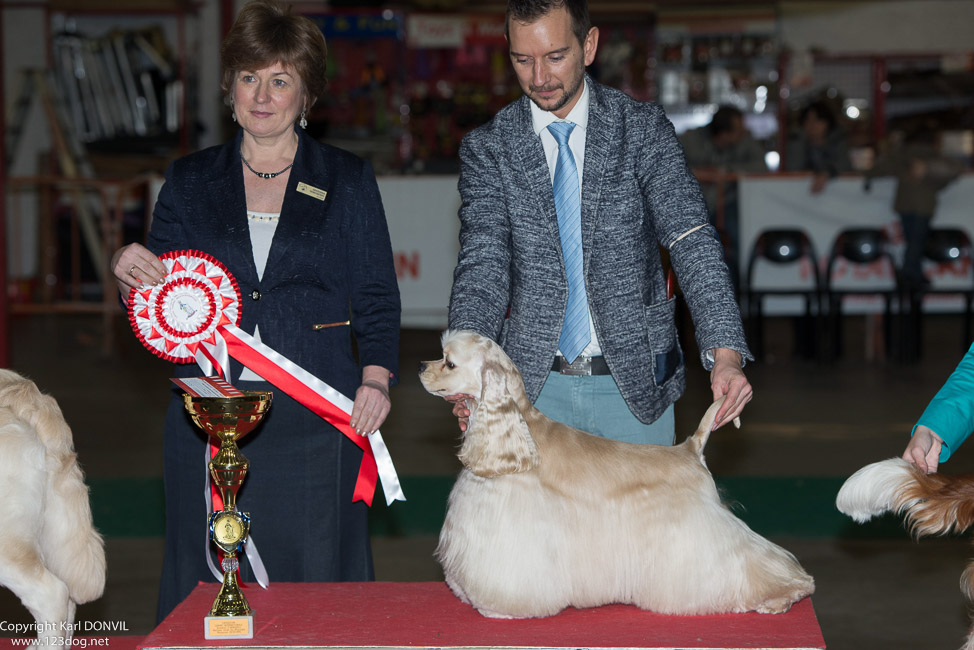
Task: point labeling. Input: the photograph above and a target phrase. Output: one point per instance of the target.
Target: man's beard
(565, 98)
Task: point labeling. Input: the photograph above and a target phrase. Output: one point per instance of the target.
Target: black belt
(582, 366)
(666, 365)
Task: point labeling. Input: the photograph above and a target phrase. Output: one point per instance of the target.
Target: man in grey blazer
(514, 284)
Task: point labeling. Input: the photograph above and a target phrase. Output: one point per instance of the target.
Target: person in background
(820, 147)
(947, 421)
(921, 173)
(301, 227)
(567, 196)
(724, 147)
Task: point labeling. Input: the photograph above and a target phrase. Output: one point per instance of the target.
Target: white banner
(425, 230)
(785, 202)
(423, 224)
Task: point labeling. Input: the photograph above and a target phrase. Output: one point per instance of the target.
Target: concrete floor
(807, 420)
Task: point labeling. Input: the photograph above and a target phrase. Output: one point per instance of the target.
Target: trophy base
(228, 627)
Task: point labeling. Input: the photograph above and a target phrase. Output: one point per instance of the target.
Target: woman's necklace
(263, 174)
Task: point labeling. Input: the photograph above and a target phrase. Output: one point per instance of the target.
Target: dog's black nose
(422, 366)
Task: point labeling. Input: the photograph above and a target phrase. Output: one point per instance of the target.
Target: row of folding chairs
(819, 329)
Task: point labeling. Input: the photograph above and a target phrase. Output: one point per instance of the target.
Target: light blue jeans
(594, 404)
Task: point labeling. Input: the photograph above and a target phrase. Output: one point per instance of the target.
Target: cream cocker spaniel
(51, 556)
(544, 516)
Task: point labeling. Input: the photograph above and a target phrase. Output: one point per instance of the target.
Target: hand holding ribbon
(372, 402)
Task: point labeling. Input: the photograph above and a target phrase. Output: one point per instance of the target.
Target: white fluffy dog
(50, 555)
(544, 516)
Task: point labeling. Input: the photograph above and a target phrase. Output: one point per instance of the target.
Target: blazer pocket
(324, 326)
(663, 343)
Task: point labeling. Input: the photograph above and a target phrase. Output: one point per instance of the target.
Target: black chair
(858, 248)
(784, 247)
(950, 247)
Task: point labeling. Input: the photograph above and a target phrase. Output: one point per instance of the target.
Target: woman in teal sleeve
(947, 421)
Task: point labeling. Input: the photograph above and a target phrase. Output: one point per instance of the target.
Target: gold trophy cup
(229, 419)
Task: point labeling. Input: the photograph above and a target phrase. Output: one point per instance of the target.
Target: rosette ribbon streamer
(193, 316)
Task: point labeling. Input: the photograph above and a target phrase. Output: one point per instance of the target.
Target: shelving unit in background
(103, 99)
(704, 61)
(140, 54)
(406, 86)
(883, 97)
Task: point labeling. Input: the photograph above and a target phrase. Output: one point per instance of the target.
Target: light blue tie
(575, 334)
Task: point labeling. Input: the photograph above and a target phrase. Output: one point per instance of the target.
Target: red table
(80, 642)
(428, 615)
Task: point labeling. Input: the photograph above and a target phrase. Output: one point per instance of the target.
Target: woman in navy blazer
(300, 225)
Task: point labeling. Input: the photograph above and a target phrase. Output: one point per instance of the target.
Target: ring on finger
(132, 271)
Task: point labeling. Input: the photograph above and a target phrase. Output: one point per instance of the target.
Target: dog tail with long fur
(933, 504)
(699, 439)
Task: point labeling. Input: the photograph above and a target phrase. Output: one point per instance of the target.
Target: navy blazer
(330, 259)
(637, 195)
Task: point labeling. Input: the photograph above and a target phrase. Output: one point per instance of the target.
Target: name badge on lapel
(312, 191)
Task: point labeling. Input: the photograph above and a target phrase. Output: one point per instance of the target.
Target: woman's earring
(303, 123)
(233, 116)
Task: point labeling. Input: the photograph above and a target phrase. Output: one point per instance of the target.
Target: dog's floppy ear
(497, 440)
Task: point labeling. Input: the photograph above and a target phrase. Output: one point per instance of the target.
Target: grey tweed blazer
(637, 195)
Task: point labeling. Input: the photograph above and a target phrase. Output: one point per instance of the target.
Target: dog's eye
(450, 365)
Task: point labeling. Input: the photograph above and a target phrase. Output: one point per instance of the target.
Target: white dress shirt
(262, 227)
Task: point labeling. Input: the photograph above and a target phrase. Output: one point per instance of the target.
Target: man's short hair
(528, 11)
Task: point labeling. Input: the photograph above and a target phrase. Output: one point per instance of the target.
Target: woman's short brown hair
(266, 33)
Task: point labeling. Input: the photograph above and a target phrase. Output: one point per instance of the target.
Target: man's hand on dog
(460, 408)
(727, 378)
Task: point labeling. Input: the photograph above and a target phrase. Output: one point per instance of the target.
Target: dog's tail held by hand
(933, 504)
(699, 439)
(875, 490)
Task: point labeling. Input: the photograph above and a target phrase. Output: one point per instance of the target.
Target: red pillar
(879, 99)
(4, 296)
(228, 12)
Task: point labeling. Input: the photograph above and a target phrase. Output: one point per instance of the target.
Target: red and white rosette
(180, 319)
(193, 316)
